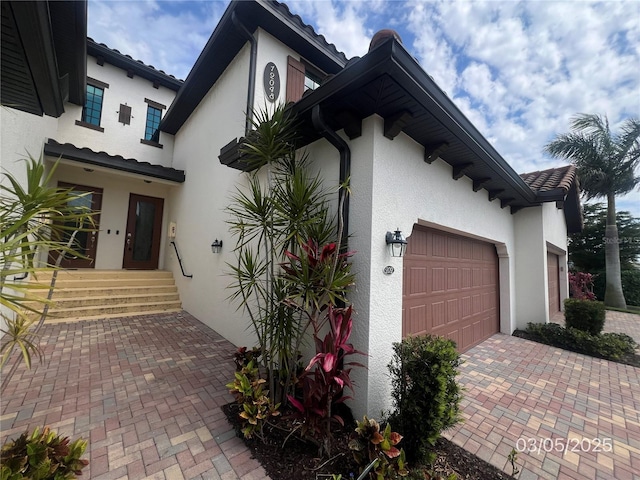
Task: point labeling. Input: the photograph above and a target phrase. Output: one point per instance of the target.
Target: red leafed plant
(581, 286)
(325, 378)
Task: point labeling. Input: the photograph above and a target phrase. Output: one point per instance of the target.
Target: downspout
(345, 163)
(252, 69)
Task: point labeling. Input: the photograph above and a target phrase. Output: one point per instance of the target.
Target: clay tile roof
(114, 162)
(551, 179)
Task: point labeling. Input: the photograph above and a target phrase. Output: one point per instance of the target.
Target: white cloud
(518, 70)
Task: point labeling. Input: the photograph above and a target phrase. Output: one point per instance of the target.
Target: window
(151, 132)
(92, 111)
(152, 124)
(301, 76)
(311, 82)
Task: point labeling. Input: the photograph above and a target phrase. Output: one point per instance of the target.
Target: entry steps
(88, 294)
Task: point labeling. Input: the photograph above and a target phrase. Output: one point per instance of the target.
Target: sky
(520, 71)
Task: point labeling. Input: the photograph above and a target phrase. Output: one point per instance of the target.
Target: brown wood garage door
(450, 287)
(554, 284)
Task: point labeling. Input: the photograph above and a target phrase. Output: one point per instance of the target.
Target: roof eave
(119, 60)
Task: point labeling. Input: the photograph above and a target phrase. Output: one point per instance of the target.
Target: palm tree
(607, 166)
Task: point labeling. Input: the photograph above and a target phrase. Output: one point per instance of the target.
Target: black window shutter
(125, 114)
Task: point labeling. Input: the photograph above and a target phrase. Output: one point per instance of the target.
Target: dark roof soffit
(424, 96)
(125, 62)
(114, 162)
(225, 43)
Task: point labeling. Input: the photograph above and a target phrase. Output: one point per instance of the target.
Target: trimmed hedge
(610, 346)
(630, 286)
(425, 392)
(585, 315)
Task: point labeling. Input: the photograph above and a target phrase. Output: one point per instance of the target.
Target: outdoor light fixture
(397, 244)
(216, 246)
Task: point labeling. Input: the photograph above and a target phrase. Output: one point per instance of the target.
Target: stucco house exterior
(487, 247)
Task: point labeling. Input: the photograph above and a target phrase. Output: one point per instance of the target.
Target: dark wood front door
(85, 242)
(144, 232)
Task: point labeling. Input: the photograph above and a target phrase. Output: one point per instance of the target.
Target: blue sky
(518, 70)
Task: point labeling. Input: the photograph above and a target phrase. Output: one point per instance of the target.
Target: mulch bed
(287, 457)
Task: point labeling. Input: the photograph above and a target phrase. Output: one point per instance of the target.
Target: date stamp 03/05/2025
(561, 445)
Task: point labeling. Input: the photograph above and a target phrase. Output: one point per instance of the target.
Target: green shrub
(426, 395)
(585, 315)
(610, 346)
(42, 456)
(630, 286)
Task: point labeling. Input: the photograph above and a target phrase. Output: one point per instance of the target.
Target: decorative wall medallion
(271, 80)
(388, 270)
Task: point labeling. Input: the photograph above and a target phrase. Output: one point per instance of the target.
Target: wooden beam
(515, 209)
(505, 202)
(479, 183)
(351, 123)
(394, 124)
(460, 170)
(493, 194)
(433, 151)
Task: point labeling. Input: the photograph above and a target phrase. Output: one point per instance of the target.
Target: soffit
(112, 162)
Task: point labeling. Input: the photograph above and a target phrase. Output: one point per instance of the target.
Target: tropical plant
(251, 396)
(34, 217)
(585, 315)
(607, 166)
(325, 378)
(281, 208)
(581, 286)
(42, 455)
(372, 446)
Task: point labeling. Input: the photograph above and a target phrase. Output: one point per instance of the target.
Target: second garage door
(450, 287)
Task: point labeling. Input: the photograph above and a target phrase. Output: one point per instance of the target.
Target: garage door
(554, 285)
(450, 287)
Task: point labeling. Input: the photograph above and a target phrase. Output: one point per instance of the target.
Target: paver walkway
(145, 391)
(562, 409)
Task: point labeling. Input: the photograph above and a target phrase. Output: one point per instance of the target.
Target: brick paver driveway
(145, 391)
(564, 409)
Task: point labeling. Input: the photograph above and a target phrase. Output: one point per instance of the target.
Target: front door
(144, 232)
(85, 242)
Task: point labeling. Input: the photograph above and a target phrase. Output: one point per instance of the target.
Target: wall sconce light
(396, 243)
(216, 246)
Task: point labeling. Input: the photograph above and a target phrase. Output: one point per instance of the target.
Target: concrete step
(92, 294)
(77, 313)
(62, 293)
(105, 300)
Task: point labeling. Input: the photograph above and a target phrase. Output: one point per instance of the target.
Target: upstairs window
(301, 76)
(151, 132)
(152, 123)
(92, 110)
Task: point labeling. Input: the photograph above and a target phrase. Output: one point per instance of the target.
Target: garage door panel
(461, 292)
(553, 282)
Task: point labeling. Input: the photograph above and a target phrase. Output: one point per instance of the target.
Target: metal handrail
(175, 247)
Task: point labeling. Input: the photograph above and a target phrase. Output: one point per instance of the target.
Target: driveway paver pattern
(145, 391)
(561, 409)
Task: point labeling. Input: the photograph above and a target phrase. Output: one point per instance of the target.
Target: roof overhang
(131, 66)
(86, 156)
(390, 83)
(226, 41)
(43, 55)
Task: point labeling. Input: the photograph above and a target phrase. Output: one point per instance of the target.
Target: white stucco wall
(117, 138)
(271, 49)
(394, 188)
(22, 134)
(198, 205)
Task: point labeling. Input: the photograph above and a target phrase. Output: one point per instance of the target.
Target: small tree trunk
(613, 295)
